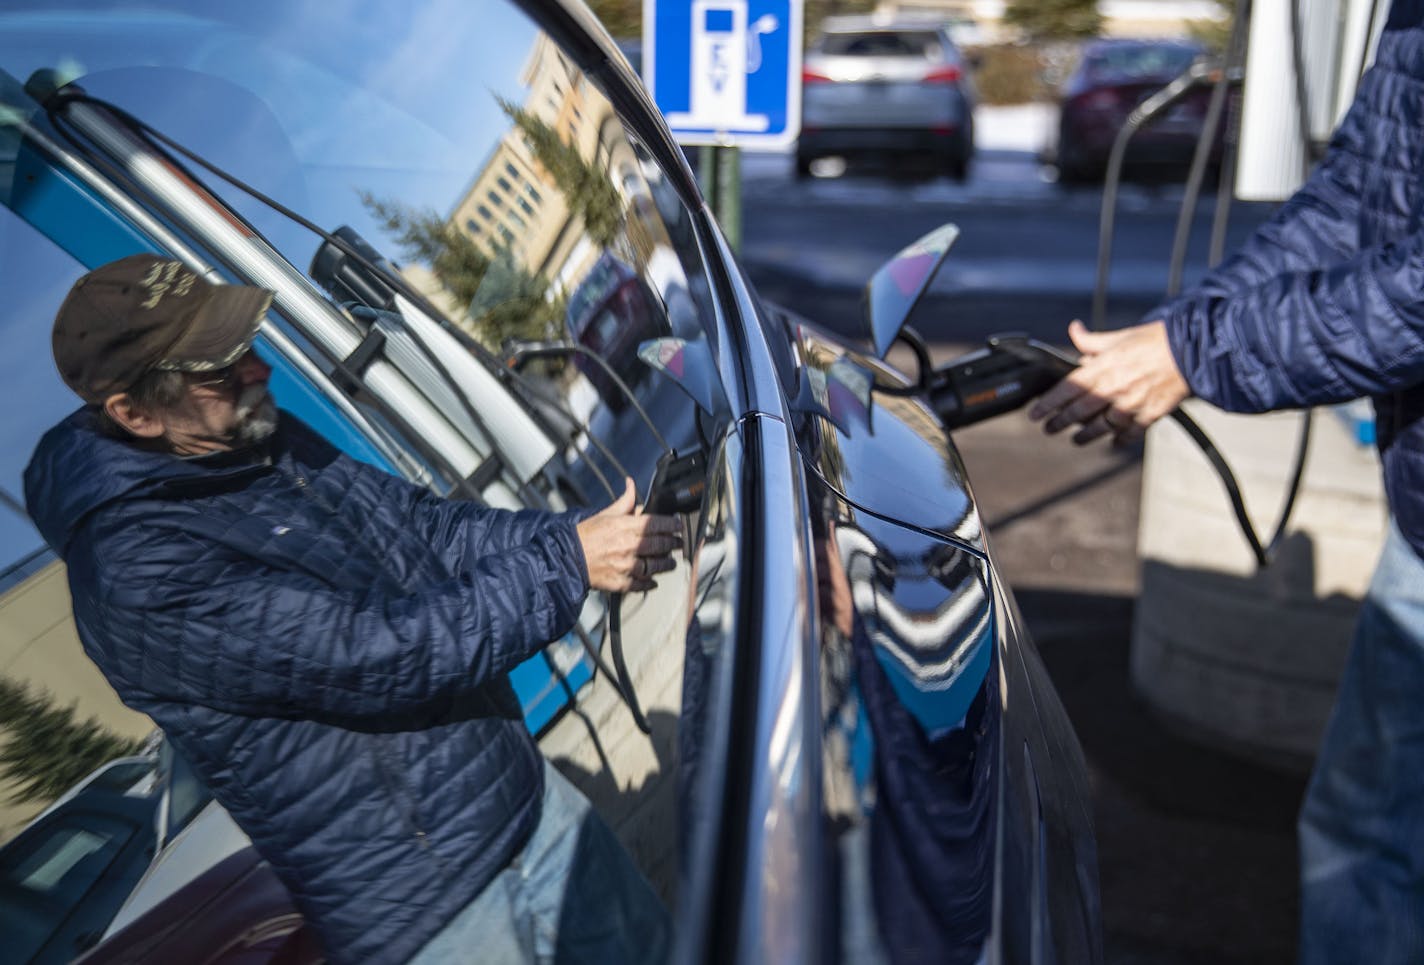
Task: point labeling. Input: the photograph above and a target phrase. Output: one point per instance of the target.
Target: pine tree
(46, 751)
(1055, 19)
(503, 299)
(585, 187)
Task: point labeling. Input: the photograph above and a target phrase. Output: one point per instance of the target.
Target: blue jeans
(571, 895)
(1362, 823)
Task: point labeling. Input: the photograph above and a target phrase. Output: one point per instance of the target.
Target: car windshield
(882, 43)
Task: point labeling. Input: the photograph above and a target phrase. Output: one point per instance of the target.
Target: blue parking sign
(725, 71)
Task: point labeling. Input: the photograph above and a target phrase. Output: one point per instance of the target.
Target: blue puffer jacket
(327, 645)
(1326, 301)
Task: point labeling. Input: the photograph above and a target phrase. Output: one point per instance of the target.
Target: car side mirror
(896, 287)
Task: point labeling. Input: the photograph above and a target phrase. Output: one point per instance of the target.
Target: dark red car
(235, 913)
(1113, 77)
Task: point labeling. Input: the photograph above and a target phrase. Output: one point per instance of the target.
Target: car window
(71, 859)
(518, 240)
(1144, 61)
(883, 43)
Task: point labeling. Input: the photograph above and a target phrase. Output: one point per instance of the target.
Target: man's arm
(1310, 337)
(247, 639)
(1299, 339)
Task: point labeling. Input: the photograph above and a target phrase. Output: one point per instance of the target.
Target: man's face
(223, 410)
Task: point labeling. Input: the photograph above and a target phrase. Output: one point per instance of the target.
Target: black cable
(558, 406)
(1195, 178)
(1263, 554)
(625, 680)
(1369, 35)
(1141, 115)
(516, 350)
(1221, 215)
(1302, 99)
(916, 342)
(574, 708)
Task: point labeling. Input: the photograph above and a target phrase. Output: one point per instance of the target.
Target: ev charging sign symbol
(725, 71)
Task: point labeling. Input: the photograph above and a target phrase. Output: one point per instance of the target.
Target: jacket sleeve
(1317, 227)
(246, 639)
(462, 530)
(1308, 337)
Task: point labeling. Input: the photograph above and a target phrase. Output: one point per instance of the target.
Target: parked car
(827, 734)
(892, 89)
(64, 877)
(611, 313)
(130, 834)
(1111, 79)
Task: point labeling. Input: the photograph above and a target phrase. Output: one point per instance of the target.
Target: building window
(533, 193)
(525, 206)
(486, 213)
(506, 234)
(512, 171)
(517, 221)
(473, 225)
(496, 200)
(504, 184)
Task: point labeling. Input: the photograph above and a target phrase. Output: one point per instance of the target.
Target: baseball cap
(147, 312)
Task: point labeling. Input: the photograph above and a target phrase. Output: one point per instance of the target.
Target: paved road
(1197, 849)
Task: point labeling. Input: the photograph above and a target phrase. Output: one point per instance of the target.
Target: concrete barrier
(1245, 660)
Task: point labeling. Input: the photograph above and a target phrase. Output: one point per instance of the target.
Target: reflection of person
(1325, 303)
(327, 644)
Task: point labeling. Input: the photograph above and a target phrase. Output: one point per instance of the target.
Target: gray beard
(256, 416)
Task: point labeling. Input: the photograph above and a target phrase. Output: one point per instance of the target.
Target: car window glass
(71, 859)
(883, 43)
(1145, 61)
(505, 193)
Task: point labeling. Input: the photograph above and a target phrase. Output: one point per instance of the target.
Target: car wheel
(803, 166)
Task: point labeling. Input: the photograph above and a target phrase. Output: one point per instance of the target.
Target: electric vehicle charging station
(726, 74)
(1243, 657)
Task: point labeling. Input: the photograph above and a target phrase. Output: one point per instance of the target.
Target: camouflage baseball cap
(146, 312)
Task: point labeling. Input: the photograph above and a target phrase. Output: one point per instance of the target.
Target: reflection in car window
(387, 124)
(68, 862)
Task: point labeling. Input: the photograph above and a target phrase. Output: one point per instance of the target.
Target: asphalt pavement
(1197, 847)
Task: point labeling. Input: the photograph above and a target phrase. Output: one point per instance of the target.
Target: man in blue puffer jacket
(1324, 304)
(327, 644)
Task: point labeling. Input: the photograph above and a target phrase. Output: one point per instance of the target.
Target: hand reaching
(1128, 380)
(624, 548)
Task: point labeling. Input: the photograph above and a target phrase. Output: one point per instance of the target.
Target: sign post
(726, 74)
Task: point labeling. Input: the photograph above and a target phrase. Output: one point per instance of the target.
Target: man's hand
(1127, 381)
(625, 549)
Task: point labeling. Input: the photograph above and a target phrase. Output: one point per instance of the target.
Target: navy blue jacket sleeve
(1304, 314)
(459, 529)
(1318, 226)
(256, 641)
(1308, 337)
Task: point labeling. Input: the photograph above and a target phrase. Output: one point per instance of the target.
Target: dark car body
(1111, 79)
(65, 876)
(853, 750)
(877, 88)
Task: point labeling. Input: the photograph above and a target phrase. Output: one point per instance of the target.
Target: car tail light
(944, 75)
(809, 77)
